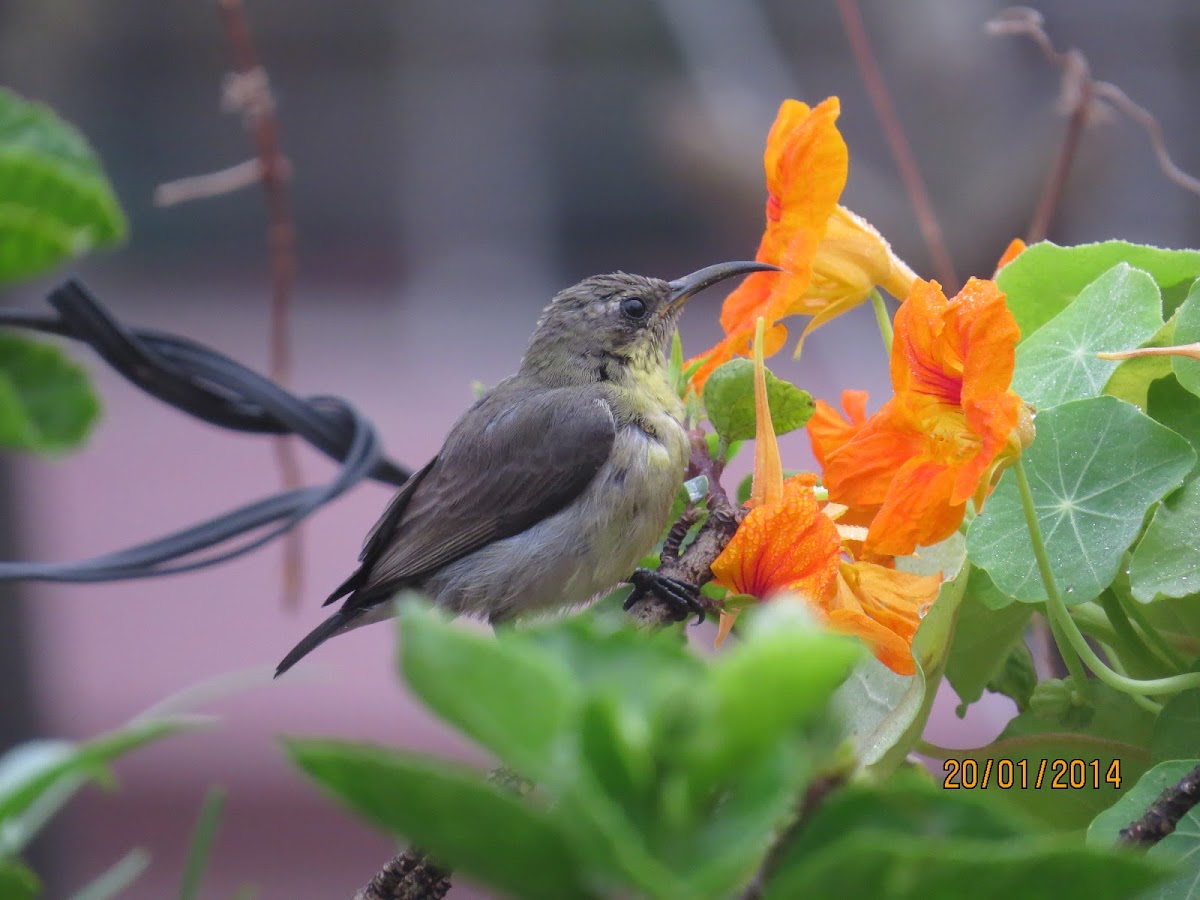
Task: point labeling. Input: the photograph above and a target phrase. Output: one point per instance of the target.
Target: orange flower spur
(832, 258)
(951, 425)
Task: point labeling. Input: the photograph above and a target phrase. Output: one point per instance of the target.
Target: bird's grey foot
(683, 598)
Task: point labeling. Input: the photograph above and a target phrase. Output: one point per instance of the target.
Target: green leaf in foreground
(1119, 310)
(57, 202)
(58, 768)
(521, 700)
(1095, 469)
(451, 813)
(729, 400)
(1165, 560)
(1181, 848)
(1043, 280)
(17, 882)
(114, 881)
(904, 840)
(46, 401)
(1187, 331)
(201, 843)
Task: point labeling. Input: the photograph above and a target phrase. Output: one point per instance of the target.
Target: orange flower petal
(917, 511)
(1015, 248)
(790, 545)
(889, 648)
(936, 443)
(828, 431)
(883, 606)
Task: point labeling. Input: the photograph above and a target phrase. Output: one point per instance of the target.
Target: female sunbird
(552, 487)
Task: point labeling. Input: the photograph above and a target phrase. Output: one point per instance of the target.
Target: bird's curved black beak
(682, 288)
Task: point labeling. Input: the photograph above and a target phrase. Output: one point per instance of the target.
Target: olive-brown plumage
(551, 487)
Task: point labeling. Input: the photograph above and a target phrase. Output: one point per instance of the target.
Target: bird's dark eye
(634, 307)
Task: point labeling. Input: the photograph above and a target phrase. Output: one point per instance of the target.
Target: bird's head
(609, 323)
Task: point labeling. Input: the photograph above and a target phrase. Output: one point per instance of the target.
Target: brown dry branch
(248, 92)
(410, 875)
(1086, 100)
(910, 174)
(1164, 813)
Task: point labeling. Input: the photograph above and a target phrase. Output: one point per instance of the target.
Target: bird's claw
(683, 598)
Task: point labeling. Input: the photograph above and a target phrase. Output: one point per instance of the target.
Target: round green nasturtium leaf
(1095, 469)
(729, 400)
(1119, 310)
(1046, 278)
(57, 202)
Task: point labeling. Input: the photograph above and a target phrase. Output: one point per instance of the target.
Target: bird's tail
(315, 639)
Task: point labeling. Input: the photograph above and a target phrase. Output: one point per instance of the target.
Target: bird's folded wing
(506, 465)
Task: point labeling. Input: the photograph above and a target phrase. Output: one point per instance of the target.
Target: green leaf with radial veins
(452, 813)
(1042, 281)
(46, 402)
(1119, 310)
(729, 401)
(1095, 469)
(55, 201)
(1187, 331)
(1182, 847)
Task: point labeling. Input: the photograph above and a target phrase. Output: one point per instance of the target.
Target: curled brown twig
(1086, 100)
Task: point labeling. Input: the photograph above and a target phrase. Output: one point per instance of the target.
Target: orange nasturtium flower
(832, 258)
(951, 426)
(789, 544)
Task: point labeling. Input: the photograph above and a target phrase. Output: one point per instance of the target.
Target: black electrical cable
(210, 386)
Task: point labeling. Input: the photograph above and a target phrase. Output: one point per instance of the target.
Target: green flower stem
(883, 319)
(1062, 619)
(1128, 640)
(1157, 642)
(1093, 622)
(1060, 631)
(1070, 658)
(1151, 706)
(936, 751)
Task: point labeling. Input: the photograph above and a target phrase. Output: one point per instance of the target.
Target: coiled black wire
(206, 384)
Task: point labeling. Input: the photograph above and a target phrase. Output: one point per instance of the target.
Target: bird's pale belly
(584, 549)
